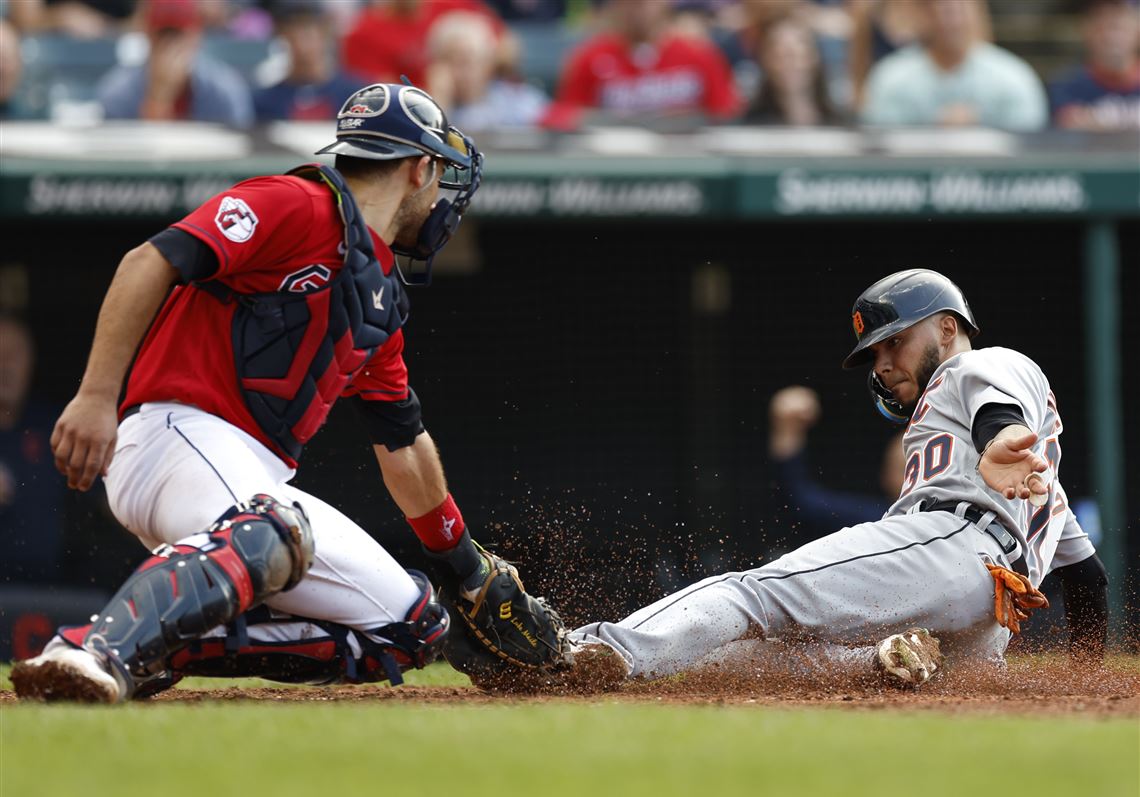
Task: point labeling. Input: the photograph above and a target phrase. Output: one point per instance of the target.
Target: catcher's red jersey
(269, 234)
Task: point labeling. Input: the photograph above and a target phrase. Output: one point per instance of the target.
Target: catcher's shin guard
(339, 655)
(416, 642)
(253, 552)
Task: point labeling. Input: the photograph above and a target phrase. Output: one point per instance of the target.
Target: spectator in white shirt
(954, 78)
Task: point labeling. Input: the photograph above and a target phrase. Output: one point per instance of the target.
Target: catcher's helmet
(901, 300)
(386, 121)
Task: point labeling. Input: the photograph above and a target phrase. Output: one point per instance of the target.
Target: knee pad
(274, 542)
(254, 551)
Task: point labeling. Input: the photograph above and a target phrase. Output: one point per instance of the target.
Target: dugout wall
(599, 389)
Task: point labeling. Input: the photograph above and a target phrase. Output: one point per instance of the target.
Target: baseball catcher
(251, 317)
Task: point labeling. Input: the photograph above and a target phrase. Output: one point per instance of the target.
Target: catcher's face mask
(461, 183)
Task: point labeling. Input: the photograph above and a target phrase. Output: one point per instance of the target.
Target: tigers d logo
(857, 322)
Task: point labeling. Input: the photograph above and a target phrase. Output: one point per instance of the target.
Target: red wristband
(441, 528)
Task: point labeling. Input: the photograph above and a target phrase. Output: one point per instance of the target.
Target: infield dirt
(1031, 685)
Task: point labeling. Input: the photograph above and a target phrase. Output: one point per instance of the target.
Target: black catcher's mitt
(498, 625)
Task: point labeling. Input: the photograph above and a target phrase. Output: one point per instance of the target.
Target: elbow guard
(392, 424)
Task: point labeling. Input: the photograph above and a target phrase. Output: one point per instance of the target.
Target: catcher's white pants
(176, 469)
(851, 589)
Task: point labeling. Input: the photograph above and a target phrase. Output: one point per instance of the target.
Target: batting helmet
(899, 301)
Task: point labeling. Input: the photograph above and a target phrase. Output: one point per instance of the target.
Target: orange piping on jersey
(1051, 403)
(1059, 505)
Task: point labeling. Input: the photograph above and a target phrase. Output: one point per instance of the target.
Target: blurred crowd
(562, 64)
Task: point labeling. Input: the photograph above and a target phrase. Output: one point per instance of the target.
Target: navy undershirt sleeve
(1085, 589)
(194, 259)
(991, 419)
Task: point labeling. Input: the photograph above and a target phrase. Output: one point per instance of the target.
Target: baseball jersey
(909, 88)
(941, 461)
(1113, 102)
(385, 44)
(676, 75)
(317, 102)
(279, 233)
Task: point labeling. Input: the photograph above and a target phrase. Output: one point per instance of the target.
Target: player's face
(1112, 33)
(416, 208)
(906, 361)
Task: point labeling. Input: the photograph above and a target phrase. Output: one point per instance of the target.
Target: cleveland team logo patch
(235, 219)
(310, 278)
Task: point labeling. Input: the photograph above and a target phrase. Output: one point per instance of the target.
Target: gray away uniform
(911, 568)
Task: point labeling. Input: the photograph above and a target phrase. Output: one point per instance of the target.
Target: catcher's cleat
(910, 658)
(63, 672)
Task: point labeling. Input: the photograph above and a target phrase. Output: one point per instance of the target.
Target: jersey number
(928, 463)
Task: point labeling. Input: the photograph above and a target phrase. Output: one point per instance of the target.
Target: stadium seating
(61, 74)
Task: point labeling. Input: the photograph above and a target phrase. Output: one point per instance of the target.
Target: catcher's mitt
(1014, 597)
(498, 625)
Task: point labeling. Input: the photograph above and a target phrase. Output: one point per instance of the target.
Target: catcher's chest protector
(296, 352)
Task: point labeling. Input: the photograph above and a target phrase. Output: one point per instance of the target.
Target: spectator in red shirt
(389, 38)
(640, 68)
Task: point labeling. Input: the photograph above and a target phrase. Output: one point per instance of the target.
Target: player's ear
(947, 328)
(422, 171)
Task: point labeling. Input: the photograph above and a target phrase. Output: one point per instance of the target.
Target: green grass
(551, 749)
(555, 748)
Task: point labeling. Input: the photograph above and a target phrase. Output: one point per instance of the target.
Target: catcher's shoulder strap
(354, 314)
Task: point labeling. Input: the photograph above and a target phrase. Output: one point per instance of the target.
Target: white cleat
(63, 672)
(598, 667)
(910, 658)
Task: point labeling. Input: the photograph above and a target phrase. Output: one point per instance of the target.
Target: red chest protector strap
(294, 353)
